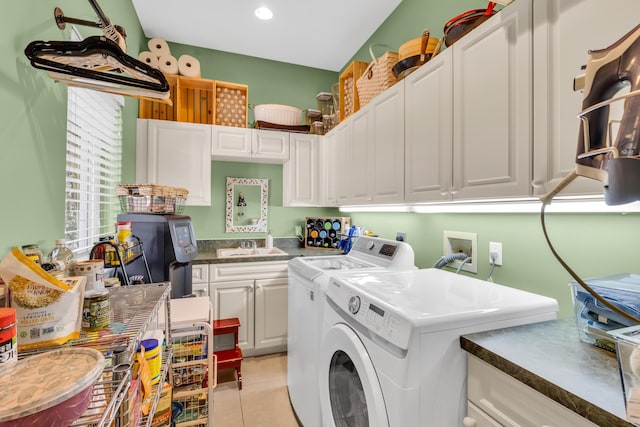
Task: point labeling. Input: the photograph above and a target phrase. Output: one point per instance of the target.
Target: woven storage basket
(378, 76)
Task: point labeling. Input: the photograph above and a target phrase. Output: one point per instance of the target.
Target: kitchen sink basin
(248, 252)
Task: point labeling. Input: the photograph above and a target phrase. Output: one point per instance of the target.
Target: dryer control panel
(371, 315)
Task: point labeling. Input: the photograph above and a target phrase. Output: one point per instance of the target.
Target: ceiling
(323, 34)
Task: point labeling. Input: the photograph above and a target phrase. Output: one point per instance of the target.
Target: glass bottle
(61, 253)
(33, 252)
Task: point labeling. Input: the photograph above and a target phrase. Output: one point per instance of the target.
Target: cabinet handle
(497, 414)
(537, 184)
(469, 422)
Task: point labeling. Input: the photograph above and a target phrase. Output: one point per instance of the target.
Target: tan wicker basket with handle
(378, 76)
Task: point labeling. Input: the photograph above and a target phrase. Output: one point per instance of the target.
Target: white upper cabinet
(385, 165)
(231, 143)
(249, 145)
(365, 156)
(357, 151)
(270, 146)
(333, 156)
(429, 130)
(175, 154)
(301, 174)
(563, 34)
(492, 105)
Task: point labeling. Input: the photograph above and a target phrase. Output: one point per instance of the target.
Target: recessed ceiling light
(264, 13)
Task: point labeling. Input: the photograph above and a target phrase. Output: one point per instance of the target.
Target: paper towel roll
(149, 58)
(159, 47)
(168, 64)
(189, 66)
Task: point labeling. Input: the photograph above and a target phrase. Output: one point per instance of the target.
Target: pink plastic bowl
(50, 389)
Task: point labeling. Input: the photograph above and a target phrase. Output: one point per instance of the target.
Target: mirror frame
(261, 226)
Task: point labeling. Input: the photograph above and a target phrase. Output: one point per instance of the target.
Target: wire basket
(151, 198)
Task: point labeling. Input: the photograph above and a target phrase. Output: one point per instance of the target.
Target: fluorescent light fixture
(585, 205)
(263, 13)
(571, 204)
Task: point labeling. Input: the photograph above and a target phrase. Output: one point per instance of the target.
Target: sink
(248, 252)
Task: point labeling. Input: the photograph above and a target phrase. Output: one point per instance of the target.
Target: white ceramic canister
(93, 270)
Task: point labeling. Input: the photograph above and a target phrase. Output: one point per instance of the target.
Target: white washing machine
(308, 281)
(391, 355)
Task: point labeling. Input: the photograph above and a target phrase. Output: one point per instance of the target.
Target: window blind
(94, 166)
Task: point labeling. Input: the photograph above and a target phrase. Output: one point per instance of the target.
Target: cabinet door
(270, 146)
(429, 130)
(329, 167)
(178, 155)
(512, 403)
(340, 165)
(271, 313)
(386, 149)
(301, 174)
(235, 299)
(200, 273)
(231, 143)
(563, 34)
(492, 134)
(359, 191)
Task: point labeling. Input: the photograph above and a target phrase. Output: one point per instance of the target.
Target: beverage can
(8, 336)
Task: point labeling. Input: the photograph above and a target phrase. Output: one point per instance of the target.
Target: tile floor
(263, 400)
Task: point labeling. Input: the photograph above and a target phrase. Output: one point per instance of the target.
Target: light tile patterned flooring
(263, 400)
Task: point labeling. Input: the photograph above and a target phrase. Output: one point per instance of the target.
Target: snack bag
(48, 310)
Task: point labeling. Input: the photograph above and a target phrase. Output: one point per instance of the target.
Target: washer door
(350, 393)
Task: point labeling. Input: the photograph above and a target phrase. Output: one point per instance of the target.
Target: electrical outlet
(401, 236)
(495, 248)
(459, 241)
(298, 230)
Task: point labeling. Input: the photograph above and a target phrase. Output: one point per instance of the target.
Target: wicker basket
(378, 76)
(151, 198)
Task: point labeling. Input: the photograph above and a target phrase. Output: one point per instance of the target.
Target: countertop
(550, 358)
(207, 251)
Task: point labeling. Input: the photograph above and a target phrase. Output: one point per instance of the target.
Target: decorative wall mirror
(247, 201)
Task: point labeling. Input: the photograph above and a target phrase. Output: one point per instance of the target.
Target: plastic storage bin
(628, 354)
(593, 319)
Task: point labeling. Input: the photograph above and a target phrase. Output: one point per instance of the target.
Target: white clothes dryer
(390, 355)
(308, 281)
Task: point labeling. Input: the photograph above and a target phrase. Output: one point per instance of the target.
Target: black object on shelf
(121, 258)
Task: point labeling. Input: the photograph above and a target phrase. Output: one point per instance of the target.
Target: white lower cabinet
(255, 293)
(497, 399)
(200, 280)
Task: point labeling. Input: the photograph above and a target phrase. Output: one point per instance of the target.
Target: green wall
(209, 222)
(592, 244)
(33, 119)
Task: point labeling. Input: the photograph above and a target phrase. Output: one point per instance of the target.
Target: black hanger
(95, 58)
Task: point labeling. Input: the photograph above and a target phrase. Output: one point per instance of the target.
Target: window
(94, 165)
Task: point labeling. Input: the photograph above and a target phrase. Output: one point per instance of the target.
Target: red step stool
(231, 358)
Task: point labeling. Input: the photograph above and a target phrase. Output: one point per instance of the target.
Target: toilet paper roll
(168, 64)
(189, 66)
(159, 47)
(149, 58)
